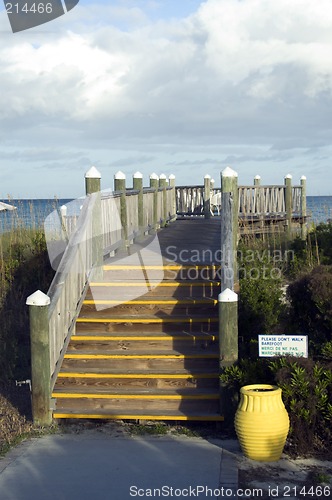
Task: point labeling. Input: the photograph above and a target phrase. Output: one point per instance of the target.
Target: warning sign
(281, 345)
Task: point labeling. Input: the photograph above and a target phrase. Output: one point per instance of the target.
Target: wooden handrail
(72, 278)
(253, 200)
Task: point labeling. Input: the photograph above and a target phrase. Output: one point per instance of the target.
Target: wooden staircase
(153, 357)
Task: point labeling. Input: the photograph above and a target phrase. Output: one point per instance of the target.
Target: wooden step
(117, 404)
(148, 306)
(178, 415)
(144, 349)
(153, 343)
(192, 272)
(136, 380)
(138, 393)
(133, 362)
(139, 289)
(189, 324)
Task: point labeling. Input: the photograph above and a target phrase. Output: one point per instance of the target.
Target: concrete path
(95, 466)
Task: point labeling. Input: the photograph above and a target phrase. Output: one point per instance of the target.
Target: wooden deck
(146, 340)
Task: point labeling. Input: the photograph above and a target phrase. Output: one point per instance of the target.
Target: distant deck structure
(262, 209)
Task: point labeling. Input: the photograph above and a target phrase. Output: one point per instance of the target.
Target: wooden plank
(143, 375)
(140, 416)
(133, 405)
(151, 320)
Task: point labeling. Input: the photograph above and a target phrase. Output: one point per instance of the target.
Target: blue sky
(181, 87)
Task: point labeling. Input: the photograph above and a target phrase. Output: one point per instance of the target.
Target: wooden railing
(78, 261)
(252, 200)
(265, 200)
(69, 283)
(190, 200)
(104, 225)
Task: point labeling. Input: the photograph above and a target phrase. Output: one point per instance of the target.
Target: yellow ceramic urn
(261, 422)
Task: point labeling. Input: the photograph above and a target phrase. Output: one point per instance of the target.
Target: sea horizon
(32, 212)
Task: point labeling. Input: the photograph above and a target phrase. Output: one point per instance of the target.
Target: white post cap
(93, 173)
(207, 176)
(303, 178)
(212, 181)
(162, 176)
(138, 175)
(258, 177)
(63, 210)
(288, 176)
(227, 296)
(229, 172)
(120, 175)
(171, 177)
(154, 176)
(38, 299)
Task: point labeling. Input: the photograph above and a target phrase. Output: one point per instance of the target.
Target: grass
(24, 268)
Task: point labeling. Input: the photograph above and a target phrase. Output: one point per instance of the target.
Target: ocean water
(32, 213)
(319, 208)
(28, 213)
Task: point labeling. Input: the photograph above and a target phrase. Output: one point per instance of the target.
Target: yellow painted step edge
(141, 356)
(154, 302)
(207, 418)
(89, 338)
(144, 283)
(133, 396)
(166, 267)
(138, 375)
(147, 320)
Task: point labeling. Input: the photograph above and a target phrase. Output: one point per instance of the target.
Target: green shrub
(24, 268)
(311, 305)
(307, 395)
(322, 236)
(303, 259)
(260, 298)
(326, 350)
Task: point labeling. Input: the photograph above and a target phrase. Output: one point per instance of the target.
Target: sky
(183, 87)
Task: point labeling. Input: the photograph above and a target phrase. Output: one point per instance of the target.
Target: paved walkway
(94, 466)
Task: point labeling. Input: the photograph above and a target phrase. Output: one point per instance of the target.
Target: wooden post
(212, 182)
(227, 261)
(259, 201)
(303, 207)
(257, 180)
(207, 196)
(229, 184)
(163, 185)
(228, 347)
(120, 186)
(138, 185)
(92, 181)
(64, 226)
(171, 180)
(93, 188)
(154, 183)
(38, 304)
(288, 203)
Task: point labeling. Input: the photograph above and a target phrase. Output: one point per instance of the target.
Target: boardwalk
(110, 296)
(146, 343)
(195, 241)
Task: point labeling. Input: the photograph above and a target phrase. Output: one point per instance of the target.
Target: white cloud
(233, 73)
